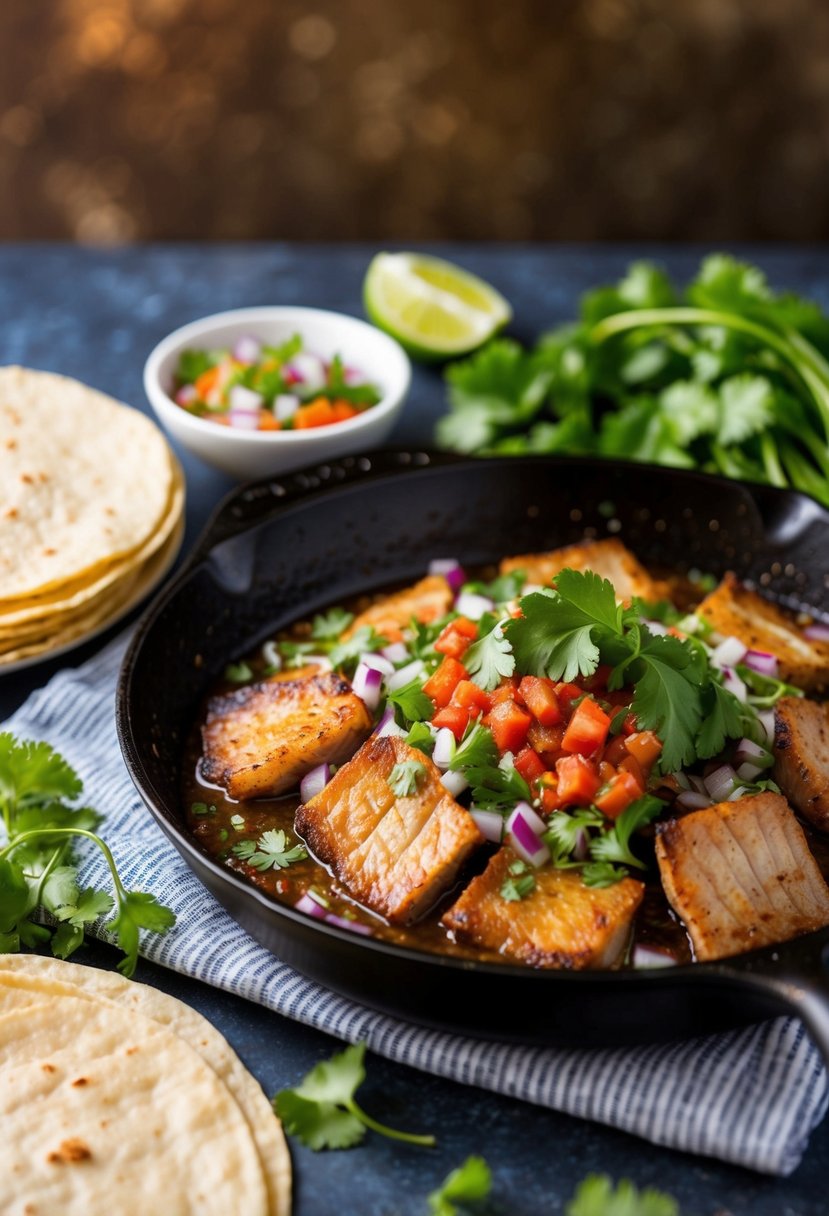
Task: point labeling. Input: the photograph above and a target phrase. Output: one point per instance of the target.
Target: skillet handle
(257, 501)
(792, 978)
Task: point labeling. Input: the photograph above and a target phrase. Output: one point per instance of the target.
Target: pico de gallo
(254, 386)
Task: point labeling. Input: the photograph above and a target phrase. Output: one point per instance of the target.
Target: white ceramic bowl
(251, 454)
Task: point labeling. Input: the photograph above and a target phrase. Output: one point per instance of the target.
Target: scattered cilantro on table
(597, 1196)
(38, 869)
(466, 1184)
(322, 1112)
(727, 377)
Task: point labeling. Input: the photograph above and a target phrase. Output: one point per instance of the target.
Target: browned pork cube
(735, 611)
(262, 739)
(801, 750)
(426, 601)
(740, 875)
(609, 559)
(561, 923)
(395, 854)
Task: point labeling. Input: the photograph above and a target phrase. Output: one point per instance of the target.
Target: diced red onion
(245, 400)
(246, 349)
(405, 675)
(395, 652)
(387, 725)
(581, 845)
(454, 783)
(472, 605)
(816, 632)
(314, 782)
(285, 405)
(728, 653)
(353, 375)
(445, 748)
(735, 794)
(762, 662)
(647, 957)
(766, 717)
(451, 570)
(308, 370)
(524, 829)
(353, 926)
(378, 662)
(690, 800)
(366, 684)
(732, 682)
(307, 904)
(490, 824)
(244, 420)
(721, 783)
(186, 395)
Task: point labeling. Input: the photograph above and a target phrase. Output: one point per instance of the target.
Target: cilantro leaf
(601, 874)
(422, 738)
(554, 637)
(136, 910)
(747, 405)
(405, 777)
(322, 1110)
(597, 1196)
(476, 751)
(14, 895)
(470, 1181)
(667, 699)
(519, 883)
(270, 851)
(238, 673)
(346, 653)
(724, 718)
(490, 659)
(331, 624)
(412, 701)
(614, 845)
(30, 770)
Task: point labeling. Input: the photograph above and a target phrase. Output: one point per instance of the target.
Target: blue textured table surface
(96, 315)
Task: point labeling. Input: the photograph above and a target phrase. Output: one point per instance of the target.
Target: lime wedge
(433, 308)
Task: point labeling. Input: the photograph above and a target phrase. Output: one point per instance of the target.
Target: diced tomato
(507, 690)
(470, 697)
(565, 693)
(509, 724)
(457, 637)
(587, 730)
(319, 412)
(577, 781)
(645, 747)
(343, 410)
(599, 678)
(631, 765)
(529, 764)
(548, 792)
(443, 682)
(630, 725)
(207, 381)
(606, 771)
(455, 717)
(267, 422)
(541, 700)
(617, 795)
(616, 751)
(546, 740)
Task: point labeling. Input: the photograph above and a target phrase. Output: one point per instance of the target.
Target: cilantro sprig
(270, 851)
(405, 777)
(38, 868)
(322, 1111)
(469, 1182)
(597, 1196)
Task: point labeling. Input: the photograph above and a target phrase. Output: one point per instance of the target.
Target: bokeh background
(126, 120)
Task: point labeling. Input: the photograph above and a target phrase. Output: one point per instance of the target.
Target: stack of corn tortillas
(115, 1097)
(91, 511)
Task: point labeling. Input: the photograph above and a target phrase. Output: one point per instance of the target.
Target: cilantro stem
(120, 892)
(46, 871)
(406, 1137)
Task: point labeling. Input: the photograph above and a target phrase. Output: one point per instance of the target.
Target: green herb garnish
(468, 1183)
(597, 1196)
(238, 673)
(519, 884)
(270, 851)
(405, 777)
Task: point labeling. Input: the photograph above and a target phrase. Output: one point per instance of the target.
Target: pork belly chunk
(561, 923)
(262, 739)
(801, 756)
(396, 855)
(609, 559)
(426, 601)
(735, 611)
(740, 876)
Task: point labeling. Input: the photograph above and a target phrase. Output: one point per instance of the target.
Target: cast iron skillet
(276, 551)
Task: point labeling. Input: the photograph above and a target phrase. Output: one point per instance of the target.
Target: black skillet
(278, 550)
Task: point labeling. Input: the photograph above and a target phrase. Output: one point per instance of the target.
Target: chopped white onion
(285, 405)
(309, 371)
(474, 606)
(490, 824)
(395, 652)
(682, 780)
(748, 771)
(378, 662)
(454, 783)
(271, 655)
(738, 793)
(314, 782)
(647, 957)
(451, 569)
(524, 829)
(766, 717)
(728, 653)
(366, 684)
(405, 675)
(733, 684)
(186, 395)
(246, 349)
(720, 784)
(243, 420)
(245, 399)
(690, 800)
(445, 748)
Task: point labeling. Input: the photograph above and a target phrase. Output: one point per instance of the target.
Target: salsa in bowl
(260, 391)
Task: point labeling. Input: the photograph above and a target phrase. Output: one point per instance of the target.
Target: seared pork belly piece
(740, 876)
(609, 559)
(801, 751)
(395, 854)
(561, 923)
(734, 611)
(263, 738)
(426, 601)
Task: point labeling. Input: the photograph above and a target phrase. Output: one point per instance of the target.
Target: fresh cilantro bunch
(566, 633)
(726, 377)
(38, 868)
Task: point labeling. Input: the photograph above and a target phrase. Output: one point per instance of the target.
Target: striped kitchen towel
(750, 1096)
